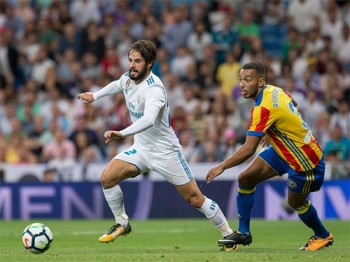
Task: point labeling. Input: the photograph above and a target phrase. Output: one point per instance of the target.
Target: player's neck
(142, 79)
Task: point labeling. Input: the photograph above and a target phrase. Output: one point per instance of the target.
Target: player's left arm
(154, 101)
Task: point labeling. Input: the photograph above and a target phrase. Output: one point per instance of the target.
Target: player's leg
(174, 168)
(299, 187)
(260, 169)
(256, 172)
(192, 194)
(116, 171)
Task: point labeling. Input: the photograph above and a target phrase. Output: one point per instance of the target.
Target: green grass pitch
(172, 240)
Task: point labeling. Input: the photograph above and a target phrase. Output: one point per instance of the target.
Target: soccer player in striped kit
(155, 147)
(292, 150)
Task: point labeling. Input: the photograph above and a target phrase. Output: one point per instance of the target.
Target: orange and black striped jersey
(276, 116)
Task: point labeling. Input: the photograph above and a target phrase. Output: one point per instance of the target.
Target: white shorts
(171, 165)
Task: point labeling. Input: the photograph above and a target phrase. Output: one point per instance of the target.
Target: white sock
(115, 200)
(213, 212)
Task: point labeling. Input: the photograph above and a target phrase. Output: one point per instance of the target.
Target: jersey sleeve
(261, 119)
(155, 96)
(110, 89)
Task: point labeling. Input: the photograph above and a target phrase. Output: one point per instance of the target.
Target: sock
(115, 200)
(245, 201)
(213, 212)
(308, 214)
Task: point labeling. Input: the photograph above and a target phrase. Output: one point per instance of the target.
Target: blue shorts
(298, 182)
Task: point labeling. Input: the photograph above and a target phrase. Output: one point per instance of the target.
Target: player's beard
(140, 75)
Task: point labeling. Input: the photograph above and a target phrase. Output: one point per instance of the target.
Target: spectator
(247, 29)
(84, 11)
(342, 117)
(85, 149)
(290, 43)
(70, 38)
(109, 31)
(197, 40)
(312, 109)
(44, 69)
(59, 149)
(30, 46)
(227, 74)
(49, 175)
(274, 13)
(46, 35)
(36, 141)
(188, 145)
(303, 14)
(6, 118)
(136, 27)
(81, 125)
(175, 91)
(342, 47)
(225, 39)
(9, 64)
(13, 22)
(90, 66)
(24, 11)
(68, 71)
(339, 145)
(330, 23)
(181, 61)
(314, 43)
(177, 32)
(92, 41)
(63, 162)
(230, 142)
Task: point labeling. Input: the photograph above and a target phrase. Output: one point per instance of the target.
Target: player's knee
(243, 180)
(295, 204)
(106, 180)
(195, 201)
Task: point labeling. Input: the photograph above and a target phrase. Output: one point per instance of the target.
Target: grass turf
(172, 240)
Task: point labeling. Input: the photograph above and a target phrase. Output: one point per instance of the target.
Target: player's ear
(261, 82)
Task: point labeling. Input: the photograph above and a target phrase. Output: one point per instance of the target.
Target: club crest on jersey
(291, 184)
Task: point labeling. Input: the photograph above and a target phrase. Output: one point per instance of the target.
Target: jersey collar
(260, 96)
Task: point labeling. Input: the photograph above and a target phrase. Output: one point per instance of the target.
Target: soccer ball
(37, 238)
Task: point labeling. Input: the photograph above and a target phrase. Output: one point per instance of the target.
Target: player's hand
(87, 97)
(264, 142)
(214, 172)
(112, 136)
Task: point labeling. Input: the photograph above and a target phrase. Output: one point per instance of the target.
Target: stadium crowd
(51, 50)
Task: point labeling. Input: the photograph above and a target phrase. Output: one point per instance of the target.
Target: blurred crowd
(51, 50)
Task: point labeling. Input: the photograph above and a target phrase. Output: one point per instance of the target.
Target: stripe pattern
(212, 205)
(150, 80)
(185, 166)
(310, 178)
(246, 191)
(299, 158)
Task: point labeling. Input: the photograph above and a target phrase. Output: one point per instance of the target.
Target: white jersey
(148, 107)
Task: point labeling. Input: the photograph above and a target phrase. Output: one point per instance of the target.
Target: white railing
(78, 173)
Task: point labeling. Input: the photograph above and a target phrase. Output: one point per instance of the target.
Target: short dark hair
(147, 49)
(258, 67)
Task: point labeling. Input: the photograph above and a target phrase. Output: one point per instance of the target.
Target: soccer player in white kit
(155, 147)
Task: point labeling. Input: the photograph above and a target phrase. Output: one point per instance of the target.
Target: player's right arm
(87, 97)
(241, 155)
(110, 89)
